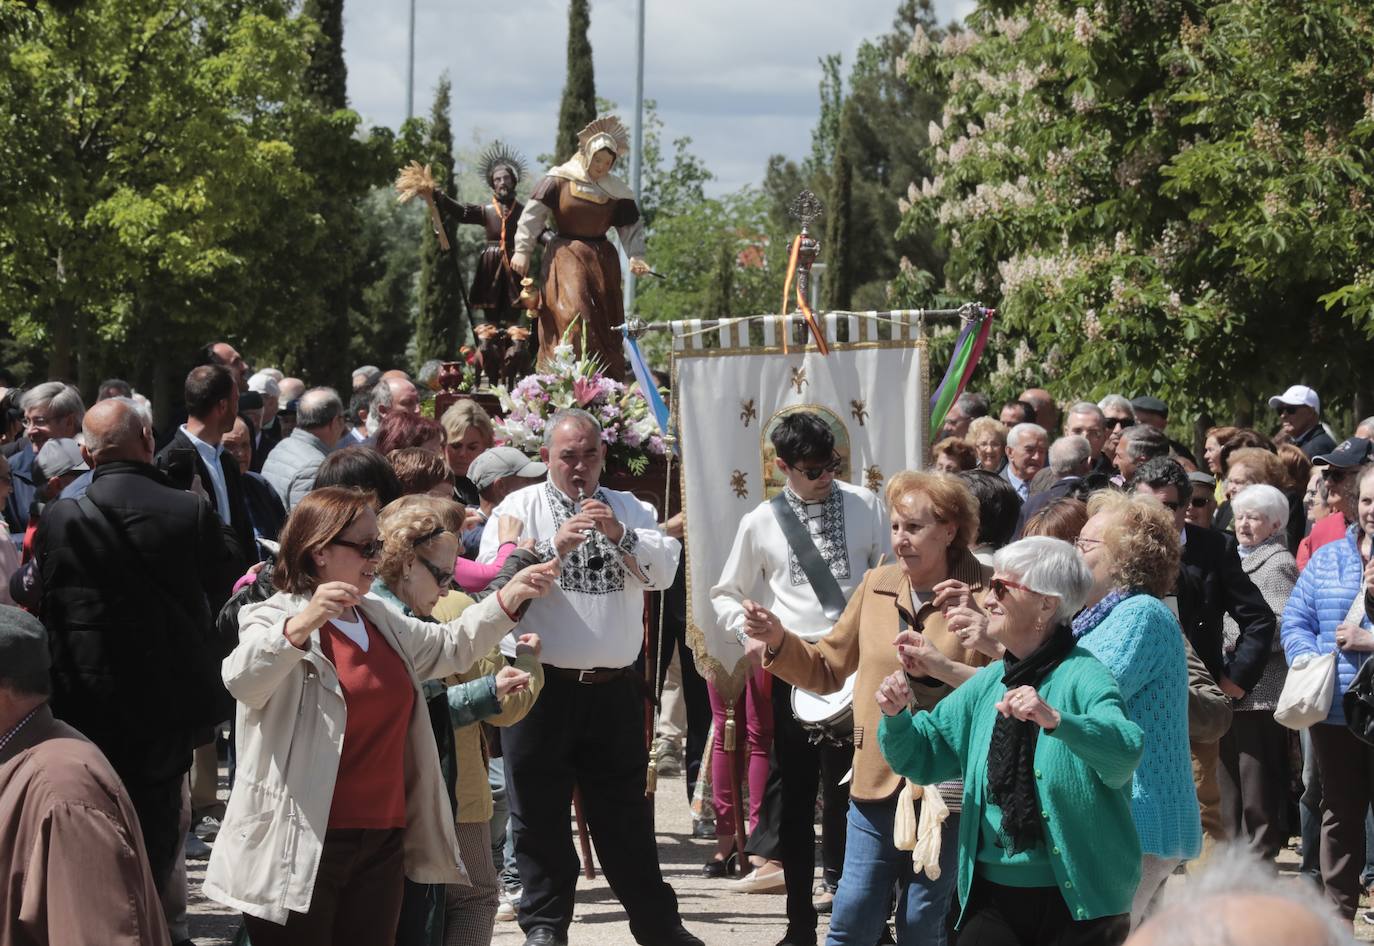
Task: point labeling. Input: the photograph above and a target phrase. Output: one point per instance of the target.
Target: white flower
(563, 355)
(934, 133)
(1084, 30)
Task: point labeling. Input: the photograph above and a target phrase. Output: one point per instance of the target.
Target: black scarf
(1011, 754)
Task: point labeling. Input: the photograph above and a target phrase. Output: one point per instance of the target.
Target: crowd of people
(1059, 651)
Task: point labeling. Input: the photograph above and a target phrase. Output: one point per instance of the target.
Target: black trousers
(785, 832)
(158, 805)
(1347, 770)
(1253, 778)
(673, 602)
(1030, 916)
(589, 736)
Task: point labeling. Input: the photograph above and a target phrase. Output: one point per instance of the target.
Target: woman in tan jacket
(926, 602)
(338, 794)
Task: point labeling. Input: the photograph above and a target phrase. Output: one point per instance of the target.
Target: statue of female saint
(581, 201)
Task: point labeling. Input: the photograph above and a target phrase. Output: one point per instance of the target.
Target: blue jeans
(872, 866)
(502, 838)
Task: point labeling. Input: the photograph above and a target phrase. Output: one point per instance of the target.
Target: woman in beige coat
(338, 794)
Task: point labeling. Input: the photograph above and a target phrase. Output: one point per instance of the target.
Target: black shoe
(720, 868)
(544, 936)
(790, 939)
(678, 936)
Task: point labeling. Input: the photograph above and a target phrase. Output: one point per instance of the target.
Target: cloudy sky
(738, 76)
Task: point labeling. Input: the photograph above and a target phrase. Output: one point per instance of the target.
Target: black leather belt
(594, 675)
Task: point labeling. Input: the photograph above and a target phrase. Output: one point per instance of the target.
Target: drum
(827, 718)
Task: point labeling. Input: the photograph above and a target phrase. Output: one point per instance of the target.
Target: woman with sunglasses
(1047, 850)
(419, 545)
(924, 603)
(339, 795)
(1131, 544)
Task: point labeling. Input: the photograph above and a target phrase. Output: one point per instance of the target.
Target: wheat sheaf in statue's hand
(414, 180)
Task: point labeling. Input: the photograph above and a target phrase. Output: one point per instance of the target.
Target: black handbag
(1358, 704)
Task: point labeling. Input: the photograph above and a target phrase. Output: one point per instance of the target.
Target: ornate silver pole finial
(807, 208)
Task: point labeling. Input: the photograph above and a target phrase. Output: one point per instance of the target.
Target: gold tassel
(651, 777)
(729, 738)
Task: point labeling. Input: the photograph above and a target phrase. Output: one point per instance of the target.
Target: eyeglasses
(1086, 545)
(1119, 422)
(998, 587)
(368, 550)
(815, 473)
(35, 422)
(444, 579)
(1172, 507)
(1197, 502)
(1334, 475)
(1290, 408)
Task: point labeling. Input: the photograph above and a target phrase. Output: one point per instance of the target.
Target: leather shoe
(765, 879)
(544, 936)
(678, 936)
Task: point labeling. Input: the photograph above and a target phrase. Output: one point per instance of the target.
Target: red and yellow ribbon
(811, 323)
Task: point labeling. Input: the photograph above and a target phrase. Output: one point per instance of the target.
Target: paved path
(719, 917)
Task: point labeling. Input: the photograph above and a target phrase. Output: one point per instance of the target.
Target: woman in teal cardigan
(1048, 854)
(1131, 545)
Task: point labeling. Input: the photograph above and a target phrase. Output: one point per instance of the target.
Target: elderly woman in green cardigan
(1048, 854)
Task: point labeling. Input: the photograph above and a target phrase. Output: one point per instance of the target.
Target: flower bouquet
(628, 427)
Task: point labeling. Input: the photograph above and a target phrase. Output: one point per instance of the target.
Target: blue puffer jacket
(1320, 600)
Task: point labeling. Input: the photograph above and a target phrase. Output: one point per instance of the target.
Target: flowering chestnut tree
(1159, 196)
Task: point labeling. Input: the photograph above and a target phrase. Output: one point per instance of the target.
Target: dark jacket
(23, 490)
(263, 443)
(265, 509)
(239, 531)
(1213, 584)
(1315, 441)
(135, 657)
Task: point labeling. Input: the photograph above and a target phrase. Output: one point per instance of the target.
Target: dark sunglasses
(441, 578)
(1122, 422)
(1289, 408)
(1197, 502)
(368, 550)
(815, 473)
(1333, 475)
(1172, 507)
(999, 586)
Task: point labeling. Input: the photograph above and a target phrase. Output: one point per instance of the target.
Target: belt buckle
(582, 675)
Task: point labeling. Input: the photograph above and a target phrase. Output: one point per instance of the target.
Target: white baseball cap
(1297, 396)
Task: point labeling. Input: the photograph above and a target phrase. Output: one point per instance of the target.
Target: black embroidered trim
(577, 573)
(830, 538)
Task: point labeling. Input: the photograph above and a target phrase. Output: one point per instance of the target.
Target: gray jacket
(292, 465)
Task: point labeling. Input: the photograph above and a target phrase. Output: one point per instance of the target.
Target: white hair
(58, 399)
(1049, 567)
(264, 384)
(1088, 407)
(1024, 430)
(1264, 499)
(1069, 455)
(1188, 915)
(1118, 402)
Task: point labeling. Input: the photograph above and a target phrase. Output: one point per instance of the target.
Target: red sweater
(1326, 530)
(370, 791)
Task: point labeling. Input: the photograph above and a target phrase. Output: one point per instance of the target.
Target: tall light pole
(410, 67)
(637, 151)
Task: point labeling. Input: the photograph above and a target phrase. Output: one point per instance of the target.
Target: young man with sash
(800, 556)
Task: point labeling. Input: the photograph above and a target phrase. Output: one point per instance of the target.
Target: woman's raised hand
(532, 582)
(894, 694)
(330, 600)
(1025, 704)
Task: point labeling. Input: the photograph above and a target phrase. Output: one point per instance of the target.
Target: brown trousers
(1253, 778)
(357, 897)
(1347, 771)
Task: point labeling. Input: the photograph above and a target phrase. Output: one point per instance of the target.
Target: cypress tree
(327, 75)
(442, 324)
(722, 287)
(838, 288)
(578, 107)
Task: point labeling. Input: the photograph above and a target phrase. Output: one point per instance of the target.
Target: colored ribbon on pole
(968, 349)
(645, 378)
(810, 316)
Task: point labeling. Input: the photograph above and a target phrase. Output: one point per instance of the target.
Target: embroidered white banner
(871, 388)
